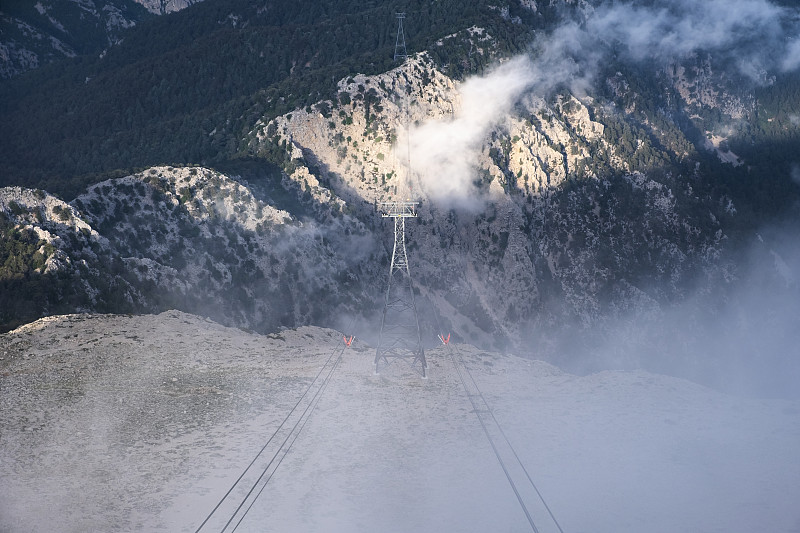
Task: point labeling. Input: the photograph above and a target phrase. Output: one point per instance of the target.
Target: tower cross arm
(398, 209)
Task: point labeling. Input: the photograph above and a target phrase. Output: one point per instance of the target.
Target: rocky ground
(141, 423)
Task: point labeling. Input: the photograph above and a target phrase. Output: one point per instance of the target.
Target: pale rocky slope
(162, 7)
(122, 423)
(195, 238)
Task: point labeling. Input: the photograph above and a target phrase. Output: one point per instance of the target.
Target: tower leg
(400, 334)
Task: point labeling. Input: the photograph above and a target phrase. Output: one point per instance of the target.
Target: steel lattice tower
(400, 336)
(400, 41)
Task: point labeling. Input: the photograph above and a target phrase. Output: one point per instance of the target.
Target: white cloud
(445, 152)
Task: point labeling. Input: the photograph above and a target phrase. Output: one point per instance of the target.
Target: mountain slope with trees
(184, 87)
(613, 200)
(33, 35)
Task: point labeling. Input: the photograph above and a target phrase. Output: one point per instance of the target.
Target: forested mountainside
(32, 35)
(591, 194)
(35, 34)
(185, 87)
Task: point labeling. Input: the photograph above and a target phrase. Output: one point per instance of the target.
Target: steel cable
(458, 363)
(489, 438)
(313, 405)
(272, 437)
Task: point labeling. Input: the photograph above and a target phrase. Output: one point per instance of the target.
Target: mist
(149, 428)
(737, 336)
(759, 34)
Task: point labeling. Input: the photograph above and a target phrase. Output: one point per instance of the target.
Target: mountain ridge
(568, 199)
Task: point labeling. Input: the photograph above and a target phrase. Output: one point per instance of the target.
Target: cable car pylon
(400, 336)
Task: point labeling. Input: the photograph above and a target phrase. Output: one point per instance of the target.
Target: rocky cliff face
(54, 221)
(189, 229)
(557, 230)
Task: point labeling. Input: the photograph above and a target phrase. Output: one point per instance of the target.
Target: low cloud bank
(739, 337)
